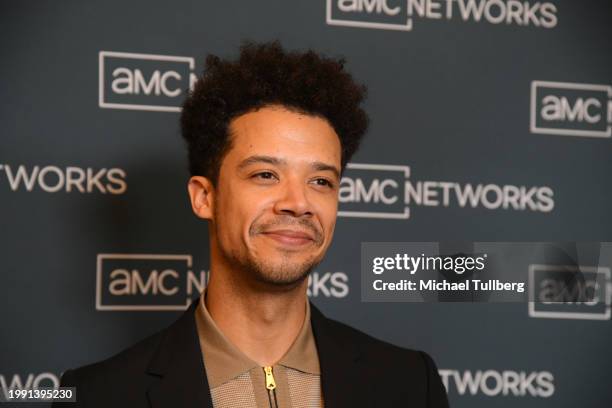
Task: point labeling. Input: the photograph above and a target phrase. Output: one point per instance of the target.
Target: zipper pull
(270, 383)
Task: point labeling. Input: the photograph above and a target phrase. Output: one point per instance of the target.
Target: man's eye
(266, 175)
(324, 182)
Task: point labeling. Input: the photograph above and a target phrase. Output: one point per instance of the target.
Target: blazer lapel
(342, 382)
(179, 367)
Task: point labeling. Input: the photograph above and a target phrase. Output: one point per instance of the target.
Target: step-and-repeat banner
(491, 121)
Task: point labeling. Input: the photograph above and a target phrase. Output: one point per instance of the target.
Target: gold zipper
(271, 385)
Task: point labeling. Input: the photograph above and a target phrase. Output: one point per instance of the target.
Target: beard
(282, 271)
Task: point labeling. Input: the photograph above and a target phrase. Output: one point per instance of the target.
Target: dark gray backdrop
(451, 98)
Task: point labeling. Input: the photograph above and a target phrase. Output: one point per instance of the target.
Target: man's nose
(293, 200)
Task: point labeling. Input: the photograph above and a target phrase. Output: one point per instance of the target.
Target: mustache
(290, 223)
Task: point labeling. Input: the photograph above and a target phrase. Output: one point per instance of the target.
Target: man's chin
(282, 284)
(282, 275)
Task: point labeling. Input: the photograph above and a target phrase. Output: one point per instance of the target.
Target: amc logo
(374, 191)
(571, 109)
(378, 14)
(146, 282)
(144, 81)
(569, 292)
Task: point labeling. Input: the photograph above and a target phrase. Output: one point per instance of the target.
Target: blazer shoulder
(114, 379)
(130, 361)
(368, 343)
(401, 368)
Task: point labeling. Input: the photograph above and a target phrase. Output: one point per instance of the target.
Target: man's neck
(263, 324)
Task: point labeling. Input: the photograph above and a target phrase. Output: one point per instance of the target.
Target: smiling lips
(290, 237)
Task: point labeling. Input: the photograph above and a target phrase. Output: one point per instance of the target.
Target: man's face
(277, 194)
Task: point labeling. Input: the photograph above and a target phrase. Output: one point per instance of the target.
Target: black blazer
(167, 370)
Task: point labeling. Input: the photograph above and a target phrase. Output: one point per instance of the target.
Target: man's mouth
(290, 237)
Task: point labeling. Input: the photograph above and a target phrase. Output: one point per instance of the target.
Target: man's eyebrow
(261, 159)
(316, 165)
(320, 166)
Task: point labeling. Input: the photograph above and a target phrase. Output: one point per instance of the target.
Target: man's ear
(201, 192)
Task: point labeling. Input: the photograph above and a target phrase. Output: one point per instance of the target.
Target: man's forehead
(290, 136)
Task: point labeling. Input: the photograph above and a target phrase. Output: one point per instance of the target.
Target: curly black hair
(265, 74)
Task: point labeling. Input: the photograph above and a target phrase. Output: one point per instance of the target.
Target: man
(268, 137)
